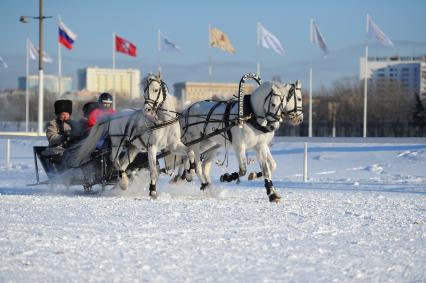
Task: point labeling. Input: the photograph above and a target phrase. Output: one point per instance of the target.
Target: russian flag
(66, 36)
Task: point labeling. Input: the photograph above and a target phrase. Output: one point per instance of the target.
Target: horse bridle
(293, 112)
(154, 102)
(268, 112)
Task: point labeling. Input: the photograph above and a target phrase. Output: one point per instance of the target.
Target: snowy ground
(361, 218)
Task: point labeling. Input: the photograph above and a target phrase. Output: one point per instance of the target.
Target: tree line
(337, 110)
(392, 111)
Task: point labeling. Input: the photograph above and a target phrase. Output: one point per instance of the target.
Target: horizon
(185, 23)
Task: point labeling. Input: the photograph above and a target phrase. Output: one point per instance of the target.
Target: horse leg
(272, 165)
(180, 149)
(152, 160)
(262, 155)
(240, 152)
(124, 162)
(206, 166)
(199, 168)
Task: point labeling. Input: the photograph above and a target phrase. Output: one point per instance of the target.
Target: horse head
(154, 92)
(268, 102)
(293, 109)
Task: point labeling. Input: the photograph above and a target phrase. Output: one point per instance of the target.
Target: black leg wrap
(203, 186)
(153, 191)
(192, 166)
(229, 177)
(183, 177)
(272, 193)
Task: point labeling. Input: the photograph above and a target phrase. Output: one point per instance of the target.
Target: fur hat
(63, 106)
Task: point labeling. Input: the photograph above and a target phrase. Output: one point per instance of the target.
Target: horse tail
(77, 154)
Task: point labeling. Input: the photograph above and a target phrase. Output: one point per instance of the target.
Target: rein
(292, 94)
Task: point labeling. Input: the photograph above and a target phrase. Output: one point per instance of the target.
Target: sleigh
(98, 170)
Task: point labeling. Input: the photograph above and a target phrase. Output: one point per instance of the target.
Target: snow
(360, 218)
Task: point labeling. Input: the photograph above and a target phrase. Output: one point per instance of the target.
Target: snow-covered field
(360, 218)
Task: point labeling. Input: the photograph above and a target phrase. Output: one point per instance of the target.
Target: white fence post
(305, 163)
(8, 154)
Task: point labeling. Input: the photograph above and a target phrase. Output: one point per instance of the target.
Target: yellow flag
(220, 40)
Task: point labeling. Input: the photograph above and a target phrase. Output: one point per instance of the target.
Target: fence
(305, 140)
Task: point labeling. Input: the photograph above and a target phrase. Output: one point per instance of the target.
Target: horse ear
(159, 75)
(298, 84)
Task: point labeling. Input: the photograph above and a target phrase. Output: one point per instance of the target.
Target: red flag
(124, 46)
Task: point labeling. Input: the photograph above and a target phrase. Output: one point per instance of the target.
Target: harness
(248, 112)
(163, 90)
(296, 109)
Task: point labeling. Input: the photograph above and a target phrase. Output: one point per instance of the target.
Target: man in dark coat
(62, 131)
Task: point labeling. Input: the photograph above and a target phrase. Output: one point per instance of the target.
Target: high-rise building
(51, 83)
(125, 82)
(193, 91)
(406, 73)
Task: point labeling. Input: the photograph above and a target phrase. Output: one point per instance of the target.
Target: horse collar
(248, 111)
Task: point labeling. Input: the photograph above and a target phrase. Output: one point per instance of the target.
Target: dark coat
(61, 134)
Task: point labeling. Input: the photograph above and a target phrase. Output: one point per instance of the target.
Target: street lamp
(24, 19)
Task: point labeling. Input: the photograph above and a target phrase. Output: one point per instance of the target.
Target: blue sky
(186, 23)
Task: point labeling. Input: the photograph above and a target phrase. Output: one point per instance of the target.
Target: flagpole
(258, 50)
(158, 50)
(113, 69)
(27, 106)
(310, 102)
(365, 80)
(40, 71)
(210, 56)
(310, 89)
(59, 64)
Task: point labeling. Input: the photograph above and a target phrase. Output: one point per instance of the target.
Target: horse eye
(273, 104)
(299, 99)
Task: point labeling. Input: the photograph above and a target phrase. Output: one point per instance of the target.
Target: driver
(104, 109)
(61, 131)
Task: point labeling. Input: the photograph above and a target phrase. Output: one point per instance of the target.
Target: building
(188, 92)
(51, 83)
(407, 73)
(125, 82)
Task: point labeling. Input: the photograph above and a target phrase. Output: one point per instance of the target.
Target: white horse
(152, 129)
(264, 110)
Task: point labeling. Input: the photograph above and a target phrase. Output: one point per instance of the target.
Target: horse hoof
(124, 182)
(188, 176)
(153, 194)
(252, 176)
(204, 186)
(174, 180)
(274, 198)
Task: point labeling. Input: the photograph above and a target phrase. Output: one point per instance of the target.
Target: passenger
(104, 109)
(83, 122)
(61, 131)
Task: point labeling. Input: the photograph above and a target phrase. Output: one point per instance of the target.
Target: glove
(68, 137)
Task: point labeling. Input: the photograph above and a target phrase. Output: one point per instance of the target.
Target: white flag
(33, 52)
(375, 32)
(3, 63)
(317, 38)
(270, 41)
(167, 45)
